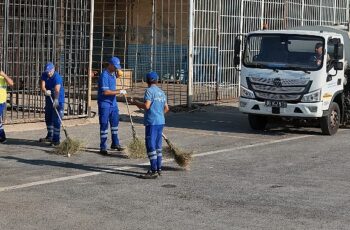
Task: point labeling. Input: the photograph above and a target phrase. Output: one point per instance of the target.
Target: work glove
(48, 93)
(55, 103)
(123, 92)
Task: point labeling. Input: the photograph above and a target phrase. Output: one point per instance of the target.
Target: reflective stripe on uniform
(159, 152)
(152, 155)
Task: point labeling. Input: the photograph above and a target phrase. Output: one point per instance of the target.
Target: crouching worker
(107, 105)
(4, 82)
(52, 87)
(155, 106)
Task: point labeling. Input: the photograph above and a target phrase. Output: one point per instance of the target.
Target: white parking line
(66, 178)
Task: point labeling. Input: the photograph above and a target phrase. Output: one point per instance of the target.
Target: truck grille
(273, 89)
(290, 90)
(278, 97)
(284, 82)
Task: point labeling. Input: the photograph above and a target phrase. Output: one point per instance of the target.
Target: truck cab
(296, 74)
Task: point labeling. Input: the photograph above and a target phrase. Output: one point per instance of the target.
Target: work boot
(55, 144)
(150, 175)
(159, 172)
(3, 140)
(104, 152)
(45, 140)
(118, 147)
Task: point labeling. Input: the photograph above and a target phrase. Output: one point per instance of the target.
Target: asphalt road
(287, 178)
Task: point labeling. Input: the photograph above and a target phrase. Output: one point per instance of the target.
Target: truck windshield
(283, 51)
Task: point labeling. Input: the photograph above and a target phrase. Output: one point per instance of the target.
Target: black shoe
(118, 147)
(104, 152)
(45, 140)
(159, 172)
(3, 140)
(55, 144)
(149, 175)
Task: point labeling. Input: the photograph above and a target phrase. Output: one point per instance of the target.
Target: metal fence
(190, 43)
(33, 32)
(147, 35)
(215, 23)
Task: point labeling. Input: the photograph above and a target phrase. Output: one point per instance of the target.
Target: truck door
(334, 65)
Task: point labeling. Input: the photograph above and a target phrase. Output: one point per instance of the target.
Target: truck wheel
(257, 122)
(330, 123)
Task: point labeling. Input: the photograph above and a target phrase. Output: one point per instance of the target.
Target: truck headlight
(247, 93)
(312, 97)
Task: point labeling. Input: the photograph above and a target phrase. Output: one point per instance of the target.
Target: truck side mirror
(338, 65)
(237, 52)
(338, 51)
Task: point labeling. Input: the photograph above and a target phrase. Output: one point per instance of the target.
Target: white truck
(300, 73)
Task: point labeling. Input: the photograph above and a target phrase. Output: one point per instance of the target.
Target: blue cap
(49, 67)
(115, 62)
(152, 76)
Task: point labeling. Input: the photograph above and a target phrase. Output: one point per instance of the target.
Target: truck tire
(257, 122)
(330, 123)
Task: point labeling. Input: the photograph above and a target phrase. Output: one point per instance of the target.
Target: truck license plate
(276, 104)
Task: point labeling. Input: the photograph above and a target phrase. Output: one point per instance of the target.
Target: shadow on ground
(70, 165)
(228, 119)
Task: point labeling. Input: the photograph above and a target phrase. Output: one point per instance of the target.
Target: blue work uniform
(53, 123)
(154, 122)
(107, 109)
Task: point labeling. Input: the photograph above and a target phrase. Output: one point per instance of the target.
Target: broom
(68, 146)
(183, 159)
(136, 148)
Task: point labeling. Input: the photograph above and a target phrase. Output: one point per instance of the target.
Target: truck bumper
(303, 110)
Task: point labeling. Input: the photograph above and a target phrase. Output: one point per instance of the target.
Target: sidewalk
(74, 122)
(123, 111)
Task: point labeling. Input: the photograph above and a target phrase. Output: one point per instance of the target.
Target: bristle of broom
(136, 149)
(69, 147)
(183, 159)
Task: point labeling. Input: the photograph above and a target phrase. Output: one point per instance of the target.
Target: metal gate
(147, 35)
(33, 32)
(215, 23)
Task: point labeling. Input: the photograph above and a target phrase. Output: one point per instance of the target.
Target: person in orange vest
(4, 82)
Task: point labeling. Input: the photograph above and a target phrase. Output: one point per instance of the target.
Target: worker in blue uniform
(107, 105)
(52, 87)
(155, 106)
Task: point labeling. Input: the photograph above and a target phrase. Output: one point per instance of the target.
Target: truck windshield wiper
(259, 65)
(298, 68)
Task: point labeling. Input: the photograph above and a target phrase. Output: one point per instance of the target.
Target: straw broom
(136, 148)
(183, 159)
(69, 146)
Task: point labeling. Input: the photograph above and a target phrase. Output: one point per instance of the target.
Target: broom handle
(127, 106)
(131, 122)
(59, 117)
